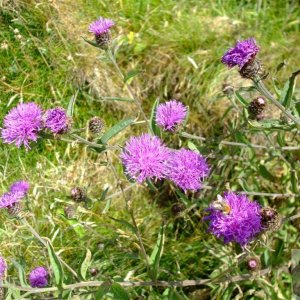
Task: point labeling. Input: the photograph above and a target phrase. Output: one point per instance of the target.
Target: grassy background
(177, 46)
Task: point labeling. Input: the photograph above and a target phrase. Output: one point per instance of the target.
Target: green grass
(177, 45)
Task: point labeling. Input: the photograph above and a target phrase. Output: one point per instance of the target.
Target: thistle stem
(127, 86)
(262, 89)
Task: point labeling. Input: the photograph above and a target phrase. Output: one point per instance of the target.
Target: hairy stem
(127, 86)
(262, 89)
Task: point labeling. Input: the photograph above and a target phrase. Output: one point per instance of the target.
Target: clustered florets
(240, 223)
(24, 123)
(3, 267)
(38, 277)
(170, 115)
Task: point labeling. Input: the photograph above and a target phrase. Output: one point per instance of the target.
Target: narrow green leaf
(125, 223)
(70, 110)
(131, 74)
(107, 206)
(288, 90)
(117, 99)
(22, 276)
(157, 252)
(241, 99)
(154, 128)
(265, 173)
(103, 194)
(294, 182)
(91, 42)
(86, 263)
(56, 265)
(119, 292)
(115, 130)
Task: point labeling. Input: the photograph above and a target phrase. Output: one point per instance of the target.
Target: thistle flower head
(3, 267)
(145, 157)
(187, 169)
(56, 120)
(22, 124)
(17, 192)
(101, 26)
(38, 277)
(170, 114)
(242, 53)
(240, 223)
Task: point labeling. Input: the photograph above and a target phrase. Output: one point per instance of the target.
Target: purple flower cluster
(235, 219)
(38, 277)
(170, 115)
(56, 120)
(101, 26)
(16, 193)
(3, 267)
(242, 53)
(146, 157)
(24, 123)
(187, 169)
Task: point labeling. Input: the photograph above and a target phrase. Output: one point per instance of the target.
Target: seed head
(270, 219)
(96, 125)
(78, 194)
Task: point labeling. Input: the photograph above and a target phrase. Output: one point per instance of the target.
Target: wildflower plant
(168, 160)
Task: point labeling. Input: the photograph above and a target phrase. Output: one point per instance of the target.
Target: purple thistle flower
(17, 192)
(170, 114)
(242, 53)
(235, 218)
(56, 120)
(22, 124)
(101, 26)
(145, 157)
(20, 187)
(3, 267)
(187, 169)
(38, 277)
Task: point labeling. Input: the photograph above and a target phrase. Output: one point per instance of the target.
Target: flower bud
(94, 271)
(78, 194)
(96, 125)
(270, 219)
(256, 108)
(253, 264)
(177, 208)
(69, 211)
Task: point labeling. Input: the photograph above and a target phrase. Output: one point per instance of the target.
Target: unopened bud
(177, 208)
(253, 264)
(69, 211)
(96, 125)
(94, 271)
(270, 219)
(256, 108)
(78, 194)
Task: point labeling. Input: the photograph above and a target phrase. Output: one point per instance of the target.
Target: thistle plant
(164, 160)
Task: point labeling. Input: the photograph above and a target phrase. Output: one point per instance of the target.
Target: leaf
(131, 74)
(241, 99)
(125, 223)
(103, 194)
(268, 124)
(56, 265)
(288, 90)
(102, 291)
(70, 110)
(265, 173)
(294, 182)
(107, 206)
(157, 252)
(91, 43)
(115, 130)
(119, 292)
(154, 128)
(22, 276)
(117, 99)
(85, 264)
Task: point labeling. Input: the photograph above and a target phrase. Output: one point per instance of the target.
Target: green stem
(262, 88)
(127, 86)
